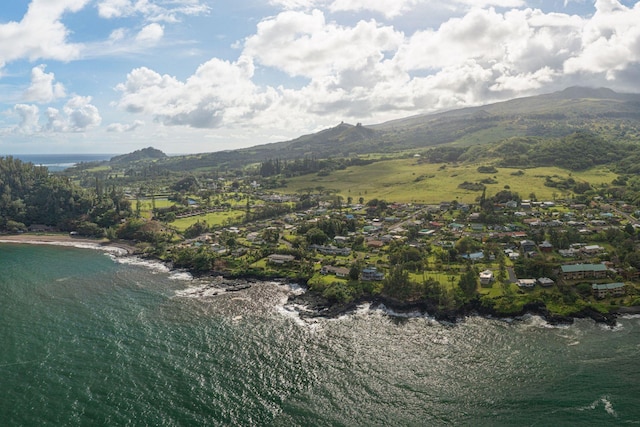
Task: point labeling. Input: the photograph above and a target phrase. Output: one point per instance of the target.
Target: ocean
(59, 162)
(89, 338)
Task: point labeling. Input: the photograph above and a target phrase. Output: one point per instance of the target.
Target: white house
(486, 277)
(526, 283)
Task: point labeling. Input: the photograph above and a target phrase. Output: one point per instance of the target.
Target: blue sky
(113, 76)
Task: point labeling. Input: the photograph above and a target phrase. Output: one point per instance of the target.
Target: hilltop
(144, 154)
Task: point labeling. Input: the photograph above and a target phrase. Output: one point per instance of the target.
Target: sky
(194, 76)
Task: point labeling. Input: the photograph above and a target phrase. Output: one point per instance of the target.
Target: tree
(315, 236)
(196, 229)
(397, 283)
(629, 229)
(467, 245)
(354, 271)
(468, 284)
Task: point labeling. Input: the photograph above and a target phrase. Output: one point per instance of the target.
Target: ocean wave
(535, 321)
(618, 327)
(202, 290)
(181, 275)
(293, 312)
(155, 266)
(382, 309)
(629, 316)
(294, 288)
(606, 403)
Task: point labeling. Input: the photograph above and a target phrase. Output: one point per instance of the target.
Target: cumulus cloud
(77, 115)
(610, 40)
(124, 127)
(29, 117)
(150, 34)
(304, 44)
(40, 34)
(218, 91)
(42, 88)
(372, 71)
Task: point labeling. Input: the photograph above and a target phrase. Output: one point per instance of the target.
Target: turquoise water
(59, 162)
(89, 340)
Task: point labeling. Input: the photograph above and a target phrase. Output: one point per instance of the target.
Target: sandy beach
(63, 239)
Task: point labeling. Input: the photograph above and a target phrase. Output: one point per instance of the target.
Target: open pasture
(408, 181)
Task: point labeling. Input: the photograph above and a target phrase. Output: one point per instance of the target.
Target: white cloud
(219, 91)
(151, 10)
(117, 35)
(295, 4)
(77, 115)
(42, 88)
(304, 44)
(150, 34)
(373, 72)
(40, 34)
(493, 3)
(29, 116)
(610, 40)
(393, 9)
(122, 127)
(388, 8)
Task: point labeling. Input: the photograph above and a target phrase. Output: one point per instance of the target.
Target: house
(608, 289)
(338, 271)
(546, 247)
(511, 204)
(477, 227)
(371, 274)
(527, 246)
(330, 250)
(280, 259)
(474, 217)
(375, 243)
(583, 271)
(567, 253)
(592, 249)
(486, 277)
(456, 227)
(475, 256)
(545, 282)
(526, 283)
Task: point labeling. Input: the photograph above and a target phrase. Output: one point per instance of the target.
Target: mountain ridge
(612, 116)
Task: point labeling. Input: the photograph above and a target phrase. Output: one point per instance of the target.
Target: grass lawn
(146, 205)
(213, 219)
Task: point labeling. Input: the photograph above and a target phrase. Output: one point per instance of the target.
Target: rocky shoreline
(316, 306)
(319, 307)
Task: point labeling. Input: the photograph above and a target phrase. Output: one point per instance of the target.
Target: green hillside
(577, 128)
(411, 181)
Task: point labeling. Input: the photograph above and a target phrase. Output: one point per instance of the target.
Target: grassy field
(212, 219)
(406, 181)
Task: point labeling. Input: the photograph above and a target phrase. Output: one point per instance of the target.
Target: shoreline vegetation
(314, 303)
